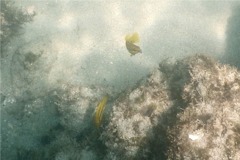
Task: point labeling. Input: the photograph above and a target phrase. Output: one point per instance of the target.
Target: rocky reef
(208, 127)
(137, 119)
(188, 109)
(185, 109)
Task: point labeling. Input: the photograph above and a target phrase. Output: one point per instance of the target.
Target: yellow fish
(131, 47)
(99, 111)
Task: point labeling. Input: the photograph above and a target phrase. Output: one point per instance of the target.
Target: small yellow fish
(99, 111)
(131, 47)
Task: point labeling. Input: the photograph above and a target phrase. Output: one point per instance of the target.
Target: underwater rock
(187, 109)
(134, 119)
(49, 126)
(76, 107)
(24, 122)
(12, 20)
(209, 126)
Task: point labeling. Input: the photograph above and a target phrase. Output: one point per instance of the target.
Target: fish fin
(134, 38)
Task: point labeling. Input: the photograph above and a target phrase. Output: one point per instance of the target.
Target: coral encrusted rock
(186, 109)
(209, 126)
(135, 117)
